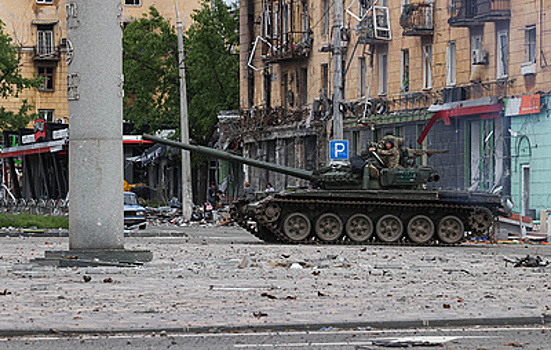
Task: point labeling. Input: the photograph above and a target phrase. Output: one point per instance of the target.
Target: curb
(65, 233)
(397, 324)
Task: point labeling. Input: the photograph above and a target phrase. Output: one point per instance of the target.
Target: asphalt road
(454, 338)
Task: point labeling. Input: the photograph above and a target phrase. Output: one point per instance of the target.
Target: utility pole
(187, 203)
(338, 7)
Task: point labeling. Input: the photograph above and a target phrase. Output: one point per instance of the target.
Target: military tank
(361, 202)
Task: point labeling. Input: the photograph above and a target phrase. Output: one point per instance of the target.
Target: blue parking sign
(338, 149)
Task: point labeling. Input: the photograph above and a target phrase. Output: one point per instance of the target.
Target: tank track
(477, 220)
(245, 222)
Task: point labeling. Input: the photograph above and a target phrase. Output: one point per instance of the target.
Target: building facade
(439, 73)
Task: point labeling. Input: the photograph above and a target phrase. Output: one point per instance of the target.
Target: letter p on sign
(338, 149)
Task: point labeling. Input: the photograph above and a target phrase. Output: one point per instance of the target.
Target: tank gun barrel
(211, 152)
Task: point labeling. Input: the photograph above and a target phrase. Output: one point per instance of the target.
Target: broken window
(47, 73)
(530, 42)
(325, 79)
(45, 40)
(133, 2)
(362, 71)
(404, 71)
(47, 115)
(382, 61)
(502, 54)
(427, 66)
(325, 17)
(303, 86)
(451, 64)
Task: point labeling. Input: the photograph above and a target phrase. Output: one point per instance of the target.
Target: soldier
(248, 192)
(390, 153)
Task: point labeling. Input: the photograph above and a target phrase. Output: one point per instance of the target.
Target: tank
(361, 202)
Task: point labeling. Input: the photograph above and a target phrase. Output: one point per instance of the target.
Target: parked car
(134, 213)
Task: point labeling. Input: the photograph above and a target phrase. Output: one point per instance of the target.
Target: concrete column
(95, 122)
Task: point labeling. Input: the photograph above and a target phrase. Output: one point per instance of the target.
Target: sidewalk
(202, 287)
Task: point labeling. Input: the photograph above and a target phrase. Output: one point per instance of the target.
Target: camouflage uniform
(392, 157)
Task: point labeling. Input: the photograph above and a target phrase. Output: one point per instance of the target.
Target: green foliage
(12, 83)
(151, 70)
(151, 73)
(30, 221)
(212, 66)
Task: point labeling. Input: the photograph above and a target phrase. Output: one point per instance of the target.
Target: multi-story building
(39, 30)
(471, 76)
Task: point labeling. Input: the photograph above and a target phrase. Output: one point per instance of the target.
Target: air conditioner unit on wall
(528, 68)
(480, 57)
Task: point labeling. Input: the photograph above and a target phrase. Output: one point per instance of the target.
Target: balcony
(46, 54)
(417, 19)
(288, 46)
(465, 13)
(285, 30)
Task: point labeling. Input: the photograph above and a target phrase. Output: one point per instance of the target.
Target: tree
(151, 70)
(212, 65)
(151, 73)
(12, 83)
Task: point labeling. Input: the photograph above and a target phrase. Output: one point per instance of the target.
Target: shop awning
(134, 139)
(56, 146)
(35, 148)
(486, 108)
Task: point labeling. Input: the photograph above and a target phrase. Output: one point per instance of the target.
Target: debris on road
(527, 261)
(269, 296)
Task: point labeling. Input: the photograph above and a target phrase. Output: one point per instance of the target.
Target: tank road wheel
(451, 230)
(420, 229)
(297, 226)
(328, 227)
(272, 211)
(480, 220)
(359, 228)
(389, 228)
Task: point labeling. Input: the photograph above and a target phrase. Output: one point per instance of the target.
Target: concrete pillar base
(95, 257)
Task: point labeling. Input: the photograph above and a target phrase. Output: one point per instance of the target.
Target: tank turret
(379, 197)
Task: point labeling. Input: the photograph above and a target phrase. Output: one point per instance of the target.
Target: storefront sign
(522, 105)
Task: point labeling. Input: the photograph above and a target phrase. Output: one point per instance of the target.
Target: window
(530, 42)
(451, 64)
(47, 73)
(325, 79)
(404, 71)
(502, 54)
(361, 78)
(45, 40)
(47, 115)
(476, 46)
(325, 17)
(303, 85)
(382, 72)
(44, 1)
(133, 2)
(427, 66)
